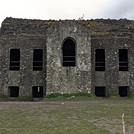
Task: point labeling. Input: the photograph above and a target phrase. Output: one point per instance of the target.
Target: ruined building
(40, 57)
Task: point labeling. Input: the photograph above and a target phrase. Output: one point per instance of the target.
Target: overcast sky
(66, 9)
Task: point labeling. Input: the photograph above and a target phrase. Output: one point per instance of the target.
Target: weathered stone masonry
(109, 36)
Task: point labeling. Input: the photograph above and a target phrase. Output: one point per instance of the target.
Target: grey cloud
(119, 9)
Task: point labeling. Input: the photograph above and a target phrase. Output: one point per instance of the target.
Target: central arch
(69, 52)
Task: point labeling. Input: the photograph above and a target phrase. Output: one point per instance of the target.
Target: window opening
(123, 91)
(37, 91)
(100, 60)
(15, 59)
(69, 54)
(123, 60)
(100, 91)
(14, 91)
(38, 59)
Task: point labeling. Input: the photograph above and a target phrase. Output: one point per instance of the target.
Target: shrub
(69, 95)
(2, 96)
(113, 94)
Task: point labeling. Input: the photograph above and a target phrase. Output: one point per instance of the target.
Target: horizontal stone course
(97, 27)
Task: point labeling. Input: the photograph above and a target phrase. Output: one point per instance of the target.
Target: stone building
(40, 57)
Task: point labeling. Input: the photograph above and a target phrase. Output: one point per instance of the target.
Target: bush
(69, 95)
(2, 96)
(113, 94)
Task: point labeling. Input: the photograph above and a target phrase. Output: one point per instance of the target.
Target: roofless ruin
(39, 57)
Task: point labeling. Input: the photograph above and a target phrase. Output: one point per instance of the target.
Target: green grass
(70, 96)
(6, 98)
(63, 116)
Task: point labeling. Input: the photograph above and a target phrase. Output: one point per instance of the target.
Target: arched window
(69, 54)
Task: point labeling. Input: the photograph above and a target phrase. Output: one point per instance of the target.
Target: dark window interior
(14, 91)
(123, 91)
(69, 53)
(37, 91)
(100, 60)
(38, 59)
(100, 91)
(123, 60)
(15, 59)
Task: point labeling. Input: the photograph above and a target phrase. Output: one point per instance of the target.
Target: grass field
(74, 116)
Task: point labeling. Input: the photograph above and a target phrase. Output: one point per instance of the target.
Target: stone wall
(68, 79)
(49, 35)
(96, 27)
(112, 78)
(109, 27)
(25, 26)
(25, 78)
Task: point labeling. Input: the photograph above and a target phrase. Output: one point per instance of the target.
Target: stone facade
(112, 78)
(49, 36)
(68, 79)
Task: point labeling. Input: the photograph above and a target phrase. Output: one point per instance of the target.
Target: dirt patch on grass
(114, 126)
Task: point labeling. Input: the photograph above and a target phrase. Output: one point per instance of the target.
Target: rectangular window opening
(14, 59)
(100, 91)
(100, 60)
(123, 60)
(13, 91)
(38, 59)
(123, 91)
(37, 91)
